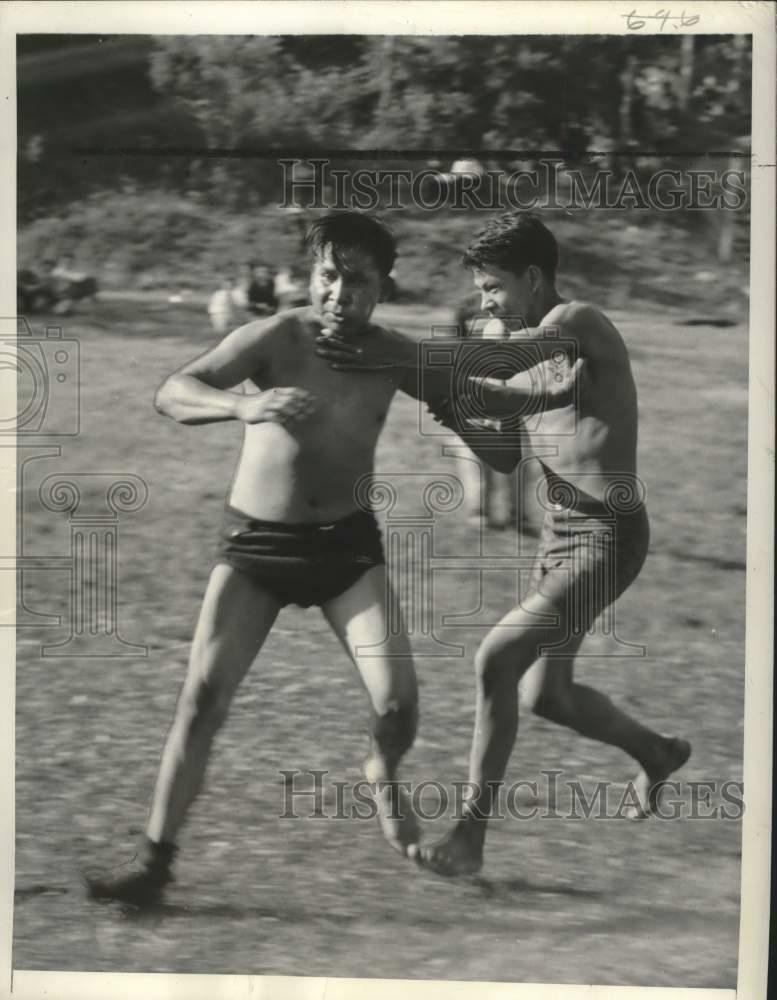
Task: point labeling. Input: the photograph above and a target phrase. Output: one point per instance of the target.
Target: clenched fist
(282, 405)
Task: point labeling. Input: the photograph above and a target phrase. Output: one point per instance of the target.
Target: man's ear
(388, 288)
(535, 277)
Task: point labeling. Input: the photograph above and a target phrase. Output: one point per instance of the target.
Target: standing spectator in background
(488, 495)
(261, 291)
(221, 307)
(240, 289)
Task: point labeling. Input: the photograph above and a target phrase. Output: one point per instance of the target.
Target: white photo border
(439, 17)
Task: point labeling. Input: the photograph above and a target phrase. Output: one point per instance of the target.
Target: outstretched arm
(546, 386)
(542, 388)
(564, 337)
(446, 394)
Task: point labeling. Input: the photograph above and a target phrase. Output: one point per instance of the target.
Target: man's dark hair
(514, 242)
(353, 231)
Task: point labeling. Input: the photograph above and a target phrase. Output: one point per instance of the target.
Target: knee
(494, 667)
(204, 704)
(552, 705)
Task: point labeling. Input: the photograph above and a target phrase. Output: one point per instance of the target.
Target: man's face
(506, 295)
(344, 296)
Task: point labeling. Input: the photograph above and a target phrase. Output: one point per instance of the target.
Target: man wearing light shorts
(595, 534)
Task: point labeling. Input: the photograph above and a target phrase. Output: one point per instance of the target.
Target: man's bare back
(308, 471)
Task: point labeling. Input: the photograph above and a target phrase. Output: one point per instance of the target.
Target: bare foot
(460, 852)
(648, 784)
(397, 820)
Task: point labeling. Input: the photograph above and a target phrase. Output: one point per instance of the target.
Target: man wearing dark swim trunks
(294, 531)
(595, 535)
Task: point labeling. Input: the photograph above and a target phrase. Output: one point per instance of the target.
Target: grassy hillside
(134, 240)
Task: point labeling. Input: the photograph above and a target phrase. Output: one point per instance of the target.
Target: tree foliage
(470, 92)
(249, 94)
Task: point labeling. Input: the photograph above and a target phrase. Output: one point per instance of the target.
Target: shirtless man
(293, 532)
(595, 534)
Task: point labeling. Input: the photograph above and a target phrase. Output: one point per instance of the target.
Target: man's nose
(341, 292)
(485, 302)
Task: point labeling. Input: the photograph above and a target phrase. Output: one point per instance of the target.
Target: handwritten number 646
(636, 22)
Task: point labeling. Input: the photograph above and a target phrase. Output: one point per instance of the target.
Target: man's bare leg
(505, 656)
(502, 657)
(235, 618)
(359, 618)
(549, 690)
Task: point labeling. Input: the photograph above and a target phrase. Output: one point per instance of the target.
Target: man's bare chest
(343, 398)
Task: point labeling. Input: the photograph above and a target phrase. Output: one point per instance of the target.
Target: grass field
(587, 901)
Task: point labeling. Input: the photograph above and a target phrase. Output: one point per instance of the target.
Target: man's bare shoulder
(266, 339)
(249, 350)
(587, 324)
(575, 313)
(286, 322)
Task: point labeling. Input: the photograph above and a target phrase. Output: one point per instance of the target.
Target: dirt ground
(559, 900)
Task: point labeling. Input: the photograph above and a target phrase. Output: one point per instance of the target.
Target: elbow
(165, 399)
(161, 399)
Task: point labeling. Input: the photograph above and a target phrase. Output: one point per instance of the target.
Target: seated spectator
(34, 293)
(73, 285)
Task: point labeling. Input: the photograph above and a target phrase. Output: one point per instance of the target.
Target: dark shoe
(142, 884)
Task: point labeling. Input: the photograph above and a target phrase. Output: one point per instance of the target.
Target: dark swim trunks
(303, 564)
(587, 557)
